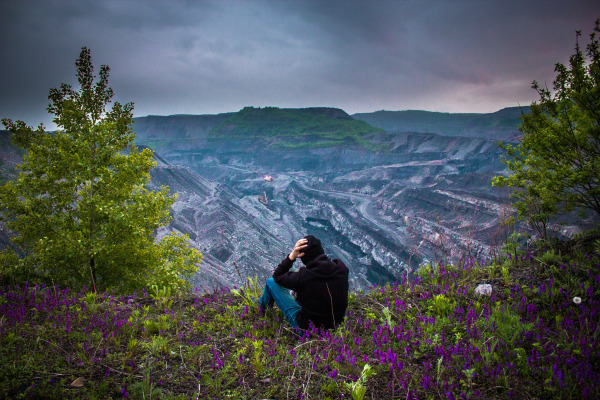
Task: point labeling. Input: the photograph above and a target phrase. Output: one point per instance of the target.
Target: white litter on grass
(484, 288)
(576, 300)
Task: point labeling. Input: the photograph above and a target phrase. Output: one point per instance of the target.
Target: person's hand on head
(297, 252)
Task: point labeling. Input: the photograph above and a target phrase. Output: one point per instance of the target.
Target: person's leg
(266, 300)
(274, 293)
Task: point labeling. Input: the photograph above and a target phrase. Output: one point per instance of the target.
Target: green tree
(556, 165)
(80, 209)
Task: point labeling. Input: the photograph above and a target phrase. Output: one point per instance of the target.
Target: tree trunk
(93, 272)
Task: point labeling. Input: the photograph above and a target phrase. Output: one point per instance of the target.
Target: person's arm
(282, 274)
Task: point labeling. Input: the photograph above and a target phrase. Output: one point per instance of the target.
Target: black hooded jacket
(321, 288)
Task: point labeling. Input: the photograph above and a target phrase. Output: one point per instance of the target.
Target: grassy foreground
(536, 336)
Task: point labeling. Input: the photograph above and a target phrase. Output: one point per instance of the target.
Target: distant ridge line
(500, 125)
(502, 110)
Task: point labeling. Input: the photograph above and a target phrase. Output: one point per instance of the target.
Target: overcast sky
(208, 57)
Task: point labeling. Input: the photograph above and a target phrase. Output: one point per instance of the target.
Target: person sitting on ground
(321, 287)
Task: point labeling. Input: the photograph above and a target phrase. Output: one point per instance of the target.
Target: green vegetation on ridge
(296, 128)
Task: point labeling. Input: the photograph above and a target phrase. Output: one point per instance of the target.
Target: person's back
(321, 287)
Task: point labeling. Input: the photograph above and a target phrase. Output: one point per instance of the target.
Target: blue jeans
(274, 293)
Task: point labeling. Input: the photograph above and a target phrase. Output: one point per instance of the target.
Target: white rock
(484, 288)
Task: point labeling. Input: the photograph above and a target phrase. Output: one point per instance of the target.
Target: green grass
(429, 338)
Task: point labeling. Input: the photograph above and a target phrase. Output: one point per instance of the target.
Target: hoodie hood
(312, 250)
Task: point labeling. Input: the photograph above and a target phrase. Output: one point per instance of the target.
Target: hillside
(296, 128)
(534, 336)
(318, 127)
(278, 127)
(500, 125)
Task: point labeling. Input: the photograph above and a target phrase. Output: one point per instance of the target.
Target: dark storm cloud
(450, 56)
(218, 56)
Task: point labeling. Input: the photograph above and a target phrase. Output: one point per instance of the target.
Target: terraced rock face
(245, 201)
(383, 202)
